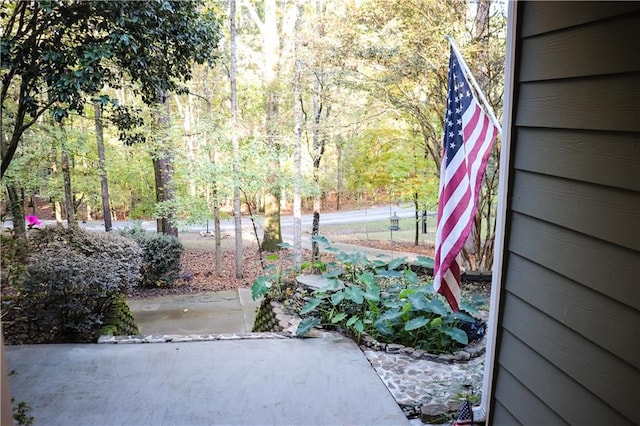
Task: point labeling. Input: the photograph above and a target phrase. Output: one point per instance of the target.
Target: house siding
(569, 317)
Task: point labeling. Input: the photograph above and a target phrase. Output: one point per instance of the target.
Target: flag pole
(470, 76)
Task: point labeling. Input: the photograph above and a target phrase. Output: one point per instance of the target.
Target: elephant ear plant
(386, 300)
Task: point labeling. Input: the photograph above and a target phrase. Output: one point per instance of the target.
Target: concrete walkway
(325, 381)
(318, 381)
(229, 311)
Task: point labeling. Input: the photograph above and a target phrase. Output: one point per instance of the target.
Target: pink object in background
(32, 221)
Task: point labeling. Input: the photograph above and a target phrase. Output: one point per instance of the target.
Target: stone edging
(178, 338)
(470, 351)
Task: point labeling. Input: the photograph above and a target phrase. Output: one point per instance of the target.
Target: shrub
(73, 276)
(13, 258)
(162, 255)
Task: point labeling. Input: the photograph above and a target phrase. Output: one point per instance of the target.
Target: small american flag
(468, 138)
(465, 416)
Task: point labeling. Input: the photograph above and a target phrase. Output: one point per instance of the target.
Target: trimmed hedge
(162, 257)
(72, 278)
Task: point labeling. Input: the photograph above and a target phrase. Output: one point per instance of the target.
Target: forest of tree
(186, 111)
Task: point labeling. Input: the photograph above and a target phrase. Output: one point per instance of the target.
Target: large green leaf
(337, 297)
(338, 317)
(334, 273)
(320, 239)
(410, 277)
(464, 316)
(372, 289)
(355, 294)
(419, 302)
(310, 306)
(260, 287)
(456, 334)
(437, 306)
(306, 325)
(356, 323)
(352, 320)
(382, 328)
(416, 323)
(332, 285)
(367, 279)
(397, 262)
(406, 293)
(425, 262)
(388, 274)
(390, 315)
(377, 263)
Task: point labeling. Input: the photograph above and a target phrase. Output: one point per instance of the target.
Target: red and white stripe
(460, 184)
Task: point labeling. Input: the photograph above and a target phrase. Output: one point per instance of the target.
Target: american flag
(465, 416)
(468, 136)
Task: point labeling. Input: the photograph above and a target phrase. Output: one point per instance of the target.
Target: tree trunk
(271, 40)
(319, 139)
(297, 201)
(340, 178)
(68, 193)
(16, 206)
(104, 185)
(425, 217)
(216, 228)
(272, 230)
(417, 217)
(214, 184)
(163, 171)
(480, 259)
(237, 213)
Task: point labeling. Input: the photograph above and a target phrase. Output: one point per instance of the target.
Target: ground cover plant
(385, 299)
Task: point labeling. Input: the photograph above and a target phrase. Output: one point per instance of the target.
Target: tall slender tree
(104, 182)
(297, 102)
(237, 210)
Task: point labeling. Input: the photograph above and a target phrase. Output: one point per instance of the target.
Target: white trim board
(481, 413)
